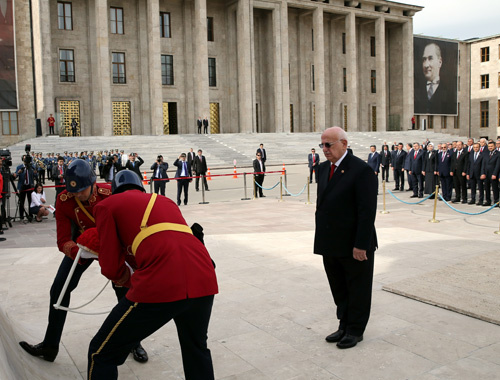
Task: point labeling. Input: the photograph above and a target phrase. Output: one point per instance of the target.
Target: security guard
(174, 278)
(75, 210)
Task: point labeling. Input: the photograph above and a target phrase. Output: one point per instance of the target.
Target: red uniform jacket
(171, 265)
(68, 213)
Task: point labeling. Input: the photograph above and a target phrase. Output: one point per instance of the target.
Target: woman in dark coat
(429, 169)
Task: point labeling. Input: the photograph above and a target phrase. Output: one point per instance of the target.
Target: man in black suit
(190, 156)
(444, 170)
(398, 166)
(134, 163)
(262, 152)
(199, 123)
(58, 175)
(345, 234)
(205, 125)
(374, 161)
(259, 167)
(416, 171)
(385, 162)
(474, 172)
(313, 163)
(183, 170)
(459, 162)
(407, 166)
(200, 168)
(160, 176)
(490, 172)
(433, 94)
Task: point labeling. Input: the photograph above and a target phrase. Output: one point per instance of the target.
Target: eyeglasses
(259, 155)
(328, 145)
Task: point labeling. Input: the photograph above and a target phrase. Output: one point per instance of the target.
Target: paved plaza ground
(274, 308)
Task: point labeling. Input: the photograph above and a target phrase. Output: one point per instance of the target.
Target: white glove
(87, 254)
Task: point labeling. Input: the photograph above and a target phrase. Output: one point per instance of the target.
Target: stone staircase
(223, 149)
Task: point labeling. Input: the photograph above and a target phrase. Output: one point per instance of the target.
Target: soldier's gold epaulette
(104, 191)
(65, 197)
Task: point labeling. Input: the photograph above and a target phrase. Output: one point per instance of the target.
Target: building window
(312, 39)
(485, 81)
(485, 114)
(165, 25)
(459, 83)
(9, 123)
(345, 79)
(167, 70)
(119, 72)
(499, 113)
(210, 28)
(343, 43)
(457, 118)
(372, 47)
(444, 122)
(373, 81)
(485, 54)
(116, 20)
(212, 72)
(64, 16)
(431, 122)
(312, 78)
(66, 66)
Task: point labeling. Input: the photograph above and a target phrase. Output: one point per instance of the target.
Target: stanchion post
(286, 185)
(434, 220)
(151, 186)
(384, 211)
(308, 192)
(203, 202)
(281, 189)
(245, 187)
(254, 188)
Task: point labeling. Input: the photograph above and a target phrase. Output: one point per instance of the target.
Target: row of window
(372, 44)
(485, 53)
(116, 21)
(118, 64)
(373, 80)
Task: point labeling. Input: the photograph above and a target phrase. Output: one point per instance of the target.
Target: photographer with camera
(134, 163)
(111, 168)
(160, 176)
(26, 174)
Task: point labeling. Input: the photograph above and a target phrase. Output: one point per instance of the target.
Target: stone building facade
(152, 67)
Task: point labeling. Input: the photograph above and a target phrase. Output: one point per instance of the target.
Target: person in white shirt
(37, 206)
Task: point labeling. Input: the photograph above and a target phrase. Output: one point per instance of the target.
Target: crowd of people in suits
(469, 169)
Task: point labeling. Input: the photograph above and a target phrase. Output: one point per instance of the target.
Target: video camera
(6, 158)
(27, 157)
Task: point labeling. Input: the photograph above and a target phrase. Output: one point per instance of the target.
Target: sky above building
(457, 19)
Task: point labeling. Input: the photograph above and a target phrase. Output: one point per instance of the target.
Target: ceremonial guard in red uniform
(174, 278)
(75, 210)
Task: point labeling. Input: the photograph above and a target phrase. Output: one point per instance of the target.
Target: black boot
(39, 350)
(140, 354)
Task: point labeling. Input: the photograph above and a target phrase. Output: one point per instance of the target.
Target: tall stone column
(285, 68)
(408, 94)
(319, 68)
(244, 16)
(101, 89)
(42, 45)
(200, 52)
(381, 74)
(352, 72)
(154, 58)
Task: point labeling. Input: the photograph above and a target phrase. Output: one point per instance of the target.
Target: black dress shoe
(349, 341)
(402, 190)
(262, 196)
(140, 355)
(471, 202)
(420, 196)
(408, 189)
(336, 336)
(1, 232)
(480, 203)
(455, 200)
(39, 350)
(464, 201)
(207, 189)
(395, 189)
(3, 239)
(414, 196)
(487, 204)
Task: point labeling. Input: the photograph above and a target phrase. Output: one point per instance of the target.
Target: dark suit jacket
(178, 163)
(444, 166)
(310, 159)
(474, 169)
(399, 161)
(30, 172)
(407, 164)
(385, 159)
(205, 122)
(256, 166)
(374, 161)
(135, 167)
(429, 163)
(416, 162)
(459, 165)
(491, 165)
(263, 153)
(190, 157)
(163, 170)
(444, 100)
(200, 166)
(346, 207)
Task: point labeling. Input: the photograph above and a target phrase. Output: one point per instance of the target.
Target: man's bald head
(337, 141)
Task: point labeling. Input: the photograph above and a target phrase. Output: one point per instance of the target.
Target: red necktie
(314, 158)
(332, 170)
(415, 155)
